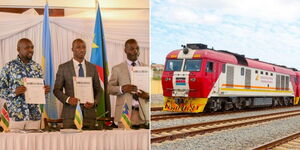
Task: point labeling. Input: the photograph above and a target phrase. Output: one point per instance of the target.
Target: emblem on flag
(126, 117)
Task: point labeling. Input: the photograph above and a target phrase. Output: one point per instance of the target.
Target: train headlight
(167, 79)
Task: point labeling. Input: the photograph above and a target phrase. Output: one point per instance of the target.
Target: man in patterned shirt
(12, 89)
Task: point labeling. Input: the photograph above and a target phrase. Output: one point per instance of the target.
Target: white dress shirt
(76, 69)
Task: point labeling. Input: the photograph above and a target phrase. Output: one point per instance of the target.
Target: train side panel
(241, 81)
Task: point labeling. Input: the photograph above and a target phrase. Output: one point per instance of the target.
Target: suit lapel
(125, 69)
(71, 65)
(88, 69)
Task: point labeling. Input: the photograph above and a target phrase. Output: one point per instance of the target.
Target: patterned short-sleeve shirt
(10, 78)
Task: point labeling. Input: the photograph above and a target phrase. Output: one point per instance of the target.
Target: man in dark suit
(64, 89)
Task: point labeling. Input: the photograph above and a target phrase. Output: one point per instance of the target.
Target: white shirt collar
(129, 62)
(76, 63)
(76, 67)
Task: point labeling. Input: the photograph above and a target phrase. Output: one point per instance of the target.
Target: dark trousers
(89, 119)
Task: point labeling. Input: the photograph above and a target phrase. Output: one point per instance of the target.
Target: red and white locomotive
(197, 78)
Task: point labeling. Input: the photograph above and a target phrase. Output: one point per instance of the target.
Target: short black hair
(130, 41)
(21, 41)
(77, 40)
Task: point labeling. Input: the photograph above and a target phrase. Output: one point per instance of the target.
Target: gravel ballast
(192, 120)
(237, 138)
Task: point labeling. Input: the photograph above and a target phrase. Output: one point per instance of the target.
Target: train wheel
(286, 101)
(280, 101)
(239, 103)
(275, 102)
(291, 100)
(214, 105)
(226, 105)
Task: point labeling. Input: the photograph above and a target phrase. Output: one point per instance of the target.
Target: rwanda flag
(4, 123)
(126, 117)
(99, 58)
(78, 119)
(48, 69)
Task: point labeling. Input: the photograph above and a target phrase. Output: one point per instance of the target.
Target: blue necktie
(81, 72)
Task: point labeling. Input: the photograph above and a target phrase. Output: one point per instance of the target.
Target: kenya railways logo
(180, 81)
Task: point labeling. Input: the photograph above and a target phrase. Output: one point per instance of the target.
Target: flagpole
(96, 4)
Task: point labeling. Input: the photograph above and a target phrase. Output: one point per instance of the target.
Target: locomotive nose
(180, 84)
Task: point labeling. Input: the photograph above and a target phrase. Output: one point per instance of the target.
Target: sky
(268, 30)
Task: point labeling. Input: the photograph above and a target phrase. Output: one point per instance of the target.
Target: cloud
(278, 10)
(196, 10)
(268, 30)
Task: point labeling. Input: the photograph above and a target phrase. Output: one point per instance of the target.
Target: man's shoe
(144, 126)
(114, 125)
(135, 127)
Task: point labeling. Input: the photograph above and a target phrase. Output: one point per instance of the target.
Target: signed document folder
(83, 88)
(35, 92)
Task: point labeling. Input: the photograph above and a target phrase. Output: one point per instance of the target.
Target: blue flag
(48, 67)
(99, 58)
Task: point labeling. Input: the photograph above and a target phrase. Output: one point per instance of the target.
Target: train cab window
(242, 71)
(209, 66)
(192, 65)
(271, 74)
(267, 73)
(173, 65)
(256, 72)
(224, 68)
(261, 72)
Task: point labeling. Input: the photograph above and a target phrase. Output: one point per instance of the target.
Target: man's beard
(28, 58)
(133, 57)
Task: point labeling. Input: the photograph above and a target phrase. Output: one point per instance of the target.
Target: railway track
(171, 133)
(156, 108)
(172, 116)
(159, 117)
(286, 143)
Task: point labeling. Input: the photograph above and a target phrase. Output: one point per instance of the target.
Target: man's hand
(73, 101)
(47, 89)
(20, 90)
(88, 105)
(142, 94)
(128, 88)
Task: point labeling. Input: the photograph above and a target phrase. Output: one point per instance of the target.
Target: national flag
(78, 119)
(99, 58)
(125, 119)
(50, 107)
(4, 123)
(180, 81)
(44, 115)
